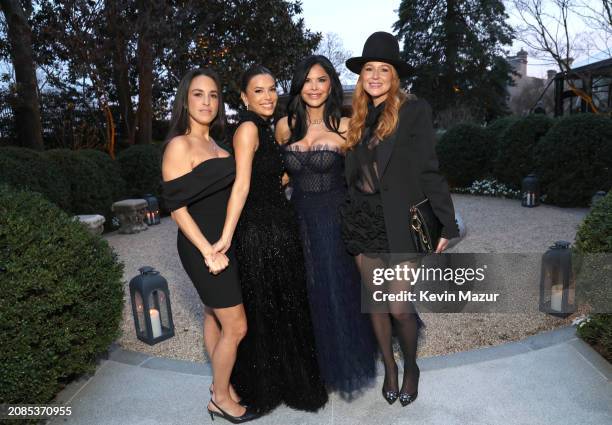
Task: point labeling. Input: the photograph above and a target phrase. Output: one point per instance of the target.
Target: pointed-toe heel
(248, 415)
(390, 396)
(405, 399)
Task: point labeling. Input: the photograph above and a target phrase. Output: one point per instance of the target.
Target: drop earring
(247, 106)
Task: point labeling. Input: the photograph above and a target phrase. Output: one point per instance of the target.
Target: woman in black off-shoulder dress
(198, 176)
(276, 360)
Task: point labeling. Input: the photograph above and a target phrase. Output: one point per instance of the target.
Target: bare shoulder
(282, 133)
(246, 135)
(176, 160)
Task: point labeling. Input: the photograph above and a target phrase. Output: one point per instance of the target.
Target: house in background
(529, 93)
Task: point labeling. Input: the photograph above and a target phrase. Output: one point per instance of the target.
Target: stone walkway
(551, 378)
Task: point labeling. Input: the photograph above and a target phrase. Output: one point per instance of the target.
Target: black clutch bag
(425, 228)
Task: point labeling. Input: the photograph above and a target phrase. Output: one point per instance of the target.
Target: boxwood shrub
(594, 244)
(61, 300)
(464, 153)
(29, 169)
(574, 159)
(141, 169)
(89, 190)
(515, 150)
(111, 170)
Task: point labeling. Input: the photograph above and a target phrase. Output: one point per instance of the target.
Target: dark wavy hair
(252, 72)
(296, 108)
(179, 122)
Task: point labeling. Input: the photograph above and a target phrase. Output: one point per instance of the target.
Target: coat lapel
(383, 153)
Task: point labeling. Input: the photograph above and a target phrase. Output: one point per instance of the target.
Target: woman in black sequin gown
(277, 359)
(312, 134)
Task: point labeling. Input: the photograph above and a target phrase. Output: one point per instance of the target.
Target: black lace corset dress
(346, 348)
(205, 192)
(276, 360)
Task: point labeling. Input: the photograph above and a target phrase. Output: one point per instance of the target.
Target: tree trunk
(451, 49)
(27, 110)
(145, 74)
(121, 71)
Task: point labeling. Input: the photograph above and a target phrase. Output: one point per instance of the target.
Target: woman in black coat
(391, 165)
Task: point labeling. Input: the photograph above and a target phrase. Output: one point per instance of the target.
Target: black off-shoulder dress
(205, 191)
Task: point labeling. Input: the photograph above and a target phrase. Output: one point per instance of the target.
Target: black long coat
(408, 166)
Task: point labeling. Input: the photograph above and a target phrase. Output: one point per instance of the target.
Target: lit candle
(556, 297)
(155, 322)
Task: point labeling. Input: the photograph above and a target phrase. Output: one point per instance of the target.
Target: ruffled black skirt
(363, 223)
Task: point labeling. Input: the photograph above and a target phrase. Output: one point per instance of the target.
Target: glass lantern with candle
(151, 306)
(557, 281)
(152, 213)
(530, 191)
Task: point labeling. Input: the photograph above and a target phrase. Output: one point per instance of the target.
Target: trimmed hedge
(62, 298)
(90, 193)
(141, 169)
(24, 168)
(111, 170)
(515, 155)
(574, 159)
(464, 153)
(594, 237)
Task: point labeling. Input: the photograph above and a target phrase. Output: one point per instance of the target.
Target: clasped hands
(215, 259)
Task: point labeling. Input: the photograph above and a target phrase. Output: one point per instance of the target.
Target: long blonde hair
(388, 118)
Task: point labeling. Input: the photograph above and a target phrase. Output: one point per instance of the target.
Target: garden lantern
(530, 191)
(152, 212)
(557, 282)
(151, 306)
(599, 195)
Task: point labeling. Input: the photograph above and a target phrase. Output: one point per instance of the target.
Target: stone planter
(93, 222)
(131, 213)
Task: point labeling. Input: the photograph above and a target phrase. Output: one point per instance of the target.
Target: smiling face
(376, 78)
(260, 96)
(317, 87)
(203, 100)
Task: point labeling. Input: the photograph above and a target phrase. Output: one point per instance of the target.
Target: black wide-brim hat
(380, 47)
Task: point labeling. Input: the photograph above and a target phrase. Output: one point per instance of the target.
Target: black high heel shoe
(241, 402)
(405, 398)
(247, 416)
(390, 396)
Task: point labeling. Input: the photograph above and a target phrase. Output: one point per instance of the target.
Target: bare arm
(246, 141)
(282, 133)
(176, 163)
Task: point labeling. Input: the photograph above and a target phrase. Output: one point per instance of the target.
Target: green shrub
(515, 150)
(594, 279)
(141, 169)
(29, 169)
(597, 331)
(89, 191)
(464, 153)
(62, 298)
(574, 159)
(595, 233)
(111, 170)
(495, 129)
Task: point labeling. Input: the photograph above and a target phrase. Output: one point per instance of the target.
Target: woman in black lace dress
(277, 359)
(312, 134)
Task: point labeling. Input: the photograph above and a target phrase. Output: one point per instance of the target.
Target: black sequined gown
(346, 347)
(276, 360)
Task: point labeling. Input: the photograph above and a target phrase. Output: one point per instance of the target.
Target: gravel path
(493, 225)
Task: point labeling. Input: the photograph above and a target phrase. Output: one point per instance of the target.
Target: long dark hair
(253, 71)
(179, 122)
(296, 108)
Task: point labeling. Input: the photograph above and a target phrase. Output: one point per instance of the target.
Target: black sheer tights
(403, 318)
